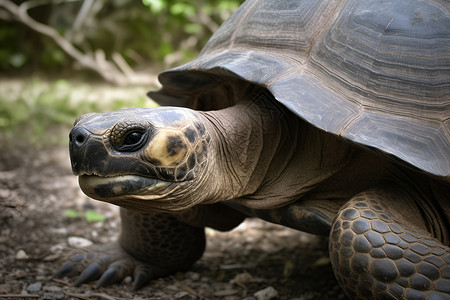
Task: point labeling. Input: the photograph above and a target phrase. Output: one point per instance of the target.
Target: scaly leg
(150, 246)
(380, 250)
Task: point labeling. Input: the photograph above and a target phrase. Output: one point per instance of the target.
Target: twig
(61, 281)
(100, 65)
(104, 296)
(79, 296)
(22, 275)
(85, 7)
(19, 296)
(122, 64)
(187, 288)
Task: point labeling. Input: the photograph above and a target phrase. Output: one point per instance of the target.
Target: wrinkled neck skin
(240, 148)
(264, 156)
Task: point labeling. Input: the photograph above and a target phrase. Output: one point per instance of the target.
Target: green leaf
(156, 6)
(71, 213)
(228, 5)
(165, 48)
(192, 28)
(93, 216)
(181, 8)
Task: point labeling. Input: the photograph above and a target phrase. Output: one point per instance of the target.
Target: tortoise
(330, 117)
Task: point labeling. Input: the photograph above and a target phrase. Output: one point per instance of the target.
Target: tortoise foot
(150, 246)
(109, 264)
(376, 257)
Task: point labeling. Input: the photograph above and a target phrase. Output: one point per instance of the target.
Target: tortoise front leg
(150, 246)
(377, 252)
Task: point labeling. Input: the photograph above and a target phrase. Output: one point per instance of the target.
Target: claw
(140, 280)
(66, 269)
(144, 273)
(70, 267)
(109, 277)
(92, 272)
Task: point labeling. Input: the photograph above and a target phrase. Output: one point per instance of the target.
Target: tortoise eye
(132, 138)
(132, 141)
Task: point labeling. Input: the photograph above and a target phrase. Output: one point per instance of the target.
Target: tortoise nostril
(78, 137)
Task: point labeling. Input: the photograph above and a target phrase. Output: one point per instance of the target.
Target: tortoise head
(140, 158)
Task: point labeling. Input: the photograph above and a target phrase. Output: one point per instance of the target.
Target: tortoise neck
(246, 138)
(265, 156)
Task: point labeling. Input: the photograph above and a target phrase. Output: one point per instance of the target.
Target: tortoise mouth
(108, 188)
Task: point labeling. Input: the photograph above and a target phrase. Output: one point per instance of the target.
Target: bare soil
(37, 186)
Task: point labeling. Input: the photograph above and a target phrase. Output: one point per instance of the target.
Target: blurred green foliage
(90, 215)
(156, 33)
(149, 34)
(30, 110)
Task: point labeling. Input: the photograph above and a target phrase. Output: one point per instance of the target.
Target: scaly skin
(377, 256)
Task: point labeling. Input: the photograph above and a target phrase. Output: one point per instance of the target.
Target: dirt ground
(37, 186)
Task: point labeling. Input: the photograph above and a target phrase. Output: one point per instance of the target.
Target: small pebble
(242, 278)
(78, 242)
(21, 254)
(61, 230)
(52, 288)
(180, 294)
(58, 247)
(193, 276)
(266, 294)
(34, 287)
(159, 294)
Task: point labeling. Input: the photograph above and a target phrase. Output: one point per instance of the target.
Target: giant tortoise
(330, 117)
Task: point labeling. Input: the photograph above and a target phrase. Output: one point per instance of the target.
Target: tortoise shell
(374, 72)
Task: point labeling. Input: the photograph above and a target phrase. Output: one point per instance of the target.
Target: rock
(61, 230)
(180, 294)
(34, 287)
(58, 247)
(193, 276)
(266, 294)
(21, 254)
(52, 288)
(78, 242)
(242, 278)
